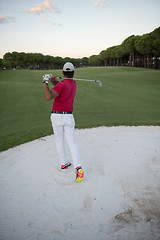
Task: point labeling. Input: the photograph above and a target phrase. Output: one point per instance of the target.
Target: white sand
(119, 198)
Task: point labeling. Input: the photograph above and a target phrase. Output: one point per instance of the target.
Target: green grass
(129, 96)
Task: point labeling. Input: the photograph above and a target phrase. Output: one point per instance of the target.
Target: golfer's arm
(49, 94)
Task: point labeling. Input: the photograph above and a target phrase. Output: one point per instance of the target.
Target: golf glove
(46, 77)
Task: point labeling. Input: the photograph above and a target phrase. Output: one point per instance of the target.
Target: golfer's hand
(46, 77)
(53, 80)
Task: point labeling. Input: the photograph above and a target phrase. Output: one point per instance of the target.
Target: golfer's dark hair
(68, 74)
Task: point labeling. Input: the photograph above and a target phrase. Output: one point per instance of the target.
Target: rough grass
(129, 96)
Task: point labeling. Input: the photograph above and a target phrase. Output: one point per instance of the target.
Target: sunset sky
(73, 28)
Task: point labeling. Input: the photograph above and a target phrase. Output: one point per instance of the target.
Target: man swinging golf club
(62, 118)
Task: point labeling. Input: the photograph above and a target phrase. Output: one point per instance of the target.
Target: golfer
(62, 119)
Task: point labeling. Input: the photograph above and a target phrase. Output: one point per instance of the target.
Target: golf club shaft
(79, 79)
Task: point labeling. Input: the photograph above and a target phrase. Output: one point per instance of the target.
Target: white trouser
(63, 125)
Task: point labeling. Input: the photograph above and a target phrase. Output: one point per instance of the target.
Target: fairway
(129, 96)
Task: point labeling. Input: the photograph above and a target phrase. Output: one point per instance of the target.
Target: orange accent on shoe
(80, 174)
(63, 167)
(79, 167)
(68, 164)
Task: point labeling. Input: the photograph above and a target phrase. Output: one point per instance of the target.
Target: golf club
(86, 80)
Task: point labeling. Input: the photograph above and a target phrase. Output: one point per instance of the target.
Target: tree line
(16, 60)
(135, 51)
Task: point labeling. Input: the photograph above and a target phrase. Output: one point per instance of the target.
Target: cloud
(98, 3)
(6, 19)
(46, 6)
(56, 24)
(45, 20)
(101, 3)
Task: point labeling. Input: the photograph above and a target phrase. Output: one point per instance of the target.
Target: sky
(73, 28)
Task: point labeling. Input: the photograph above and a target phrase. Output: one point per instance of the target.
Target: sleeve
(59, 88)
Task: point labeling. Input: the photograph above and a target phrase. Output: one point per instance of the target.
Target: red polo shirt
(66, 90)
